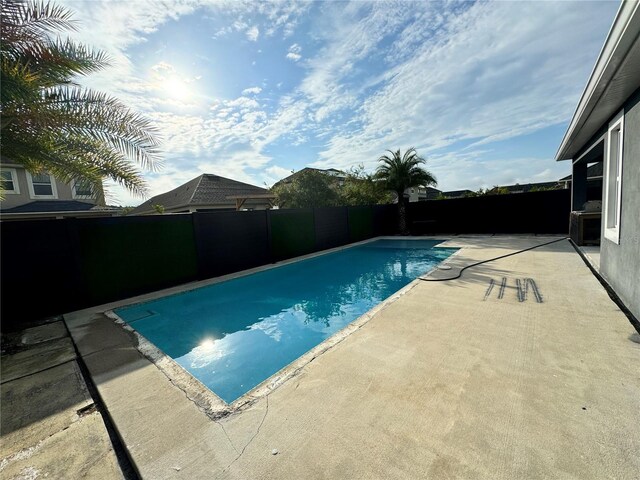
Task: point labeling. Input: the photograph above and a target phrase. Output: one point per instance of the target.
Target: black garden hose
(490, 260)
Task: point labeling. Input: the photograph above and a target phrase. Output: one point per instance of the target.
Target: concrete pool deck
(50, 426)
(466, 378)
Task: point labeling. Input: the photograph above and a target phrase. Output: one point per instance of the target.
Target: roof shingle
(207, 189)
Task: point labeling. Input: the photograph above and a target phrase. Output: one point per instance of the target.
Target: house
(413, 194)
(208, 192)
(605, 129)
(517, 188)
(420, 194)
(432, 193)
(527, 187)
(34, 196)
(339, 175)
(458, 193)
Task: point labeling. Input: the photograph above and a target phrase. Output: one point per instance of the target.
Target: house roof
(456, 193)
(51, 206)
(615, 76)
(329, 171)
(593, 171)
(207, 189)
(525, 187)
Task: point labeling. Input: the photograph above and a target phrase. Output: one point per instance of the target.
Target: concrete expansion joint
(28, 452)
(94, 352)
(11, 379)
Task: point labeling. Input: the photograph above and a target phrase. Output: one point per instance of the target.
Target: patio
(451, 379)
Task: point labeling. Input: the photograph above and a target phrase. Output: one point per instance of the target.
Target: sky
(255, 90)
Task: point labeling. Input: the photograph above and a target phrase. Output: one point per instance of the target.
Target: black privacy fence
(51, 267)
(534, 212)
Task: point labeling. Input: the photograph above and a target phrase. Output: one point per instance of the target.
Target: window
(41, 185)
(613, 176)
(82, 189)
(9, 179)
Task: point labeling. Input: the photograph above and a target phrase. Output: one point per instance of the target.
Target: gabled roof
(593, 171)
(456, 193)
(329, 171)
(615, 76)
(51, 206)
(207, 189)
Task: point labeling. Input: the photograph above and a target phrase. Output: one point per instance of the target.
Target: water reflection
(235, 334)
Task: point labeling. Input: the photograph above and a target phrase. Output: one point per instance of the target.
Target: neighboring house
(32, 196)
(206, 193)
(414, 194)
(339, 175)
(517, 188)
(419, 194)
(528, 187)
(432, 193)
(606, 128)
(457, 193)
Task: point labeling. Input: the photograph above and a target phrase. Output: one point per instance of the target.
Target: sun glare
(176, 88)
(207, 344)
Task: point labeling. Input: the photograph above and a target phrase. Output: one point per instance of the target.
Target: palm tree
(50, 123)
(399, 172)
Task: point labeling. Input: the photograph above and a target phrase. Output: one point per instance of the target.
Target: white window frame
(32, 194)
(613, 233)
(76, 196)
(14, 179)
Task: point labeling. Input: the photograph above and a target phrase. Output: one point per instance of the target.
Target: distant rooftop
(204, 190)
(329, 171)
(456, 193)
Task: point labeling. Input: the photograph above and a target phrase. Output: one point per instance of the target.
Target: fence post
(267, 216)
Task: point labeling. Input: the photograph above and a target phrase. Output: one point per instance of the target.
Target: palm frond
(22, 20)
(401, 171)
(49, 122)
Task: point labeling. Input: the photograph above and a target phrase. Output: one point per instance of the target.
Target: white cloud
(294, 52)
(464, 170)
(163, 67)
(455, 87)
(243, 103)
(253, 33)
(382, 76)
(251, 91)
(278, 171)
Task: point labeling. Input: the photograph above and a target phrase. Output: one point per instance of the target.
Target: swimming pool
(235, 334)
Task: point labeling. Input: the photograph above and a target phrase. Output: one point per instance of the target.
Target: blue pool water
(234, 335)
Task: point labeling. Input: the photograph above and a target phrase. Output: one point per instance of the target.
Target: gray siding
(16, 199)
(620, 264)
